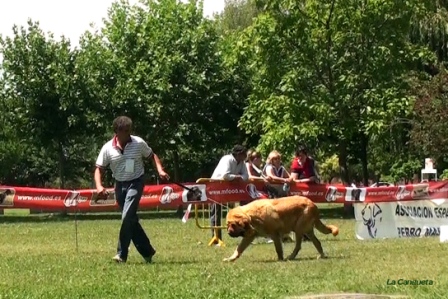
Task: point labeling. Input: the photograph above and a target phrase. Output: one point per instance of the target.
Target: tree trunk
(343, 162)
(61, 166)
(176, 165)
(62, 172)
(364, 160)
(348, 207)
(176, 174)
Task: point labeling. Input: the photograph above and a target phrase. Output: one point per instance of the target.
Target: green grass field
(39, 260)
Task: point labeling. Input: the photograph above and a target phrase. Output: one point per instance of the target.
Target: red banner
(171, 196)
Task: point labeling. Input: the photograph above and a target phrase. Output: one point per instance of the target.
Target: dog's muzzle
(236, 234)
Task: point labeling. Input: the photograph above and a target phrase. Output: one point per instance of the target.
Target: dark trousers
(215, 218)
(128, 195)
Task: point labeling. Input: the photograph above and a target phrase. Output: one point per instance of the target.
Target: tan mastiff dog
(275, 218)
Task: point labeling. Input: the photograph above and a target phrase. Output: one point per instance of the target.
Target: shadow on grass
(81, 217)
(326, 213)
(335, 213)
(185, 262)
(153, 263)
(307, 258)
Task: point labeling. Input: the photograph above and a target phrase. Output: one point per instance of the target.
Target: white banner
(418, 218)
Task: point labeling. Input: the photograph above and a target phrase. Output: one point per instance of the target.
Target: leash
(197, 192)
(185, 187)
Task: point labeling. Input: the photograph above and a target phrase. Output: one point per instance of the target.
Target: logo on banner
(402, 193)
(108, 200)
(420, 191)
(73, 198)
(355, 194)
(196, 193)
(7, 197)
(333, 194)
(168, 195)
(371, 215)
(253, 192)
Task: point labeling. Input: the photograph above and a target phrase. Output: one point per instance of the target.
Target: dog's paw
(228, 259)
(290, 258)
(321, 256)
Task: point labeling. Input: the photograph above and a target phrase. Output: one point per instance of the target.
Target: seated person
(303, 168)
(253, 164)
(231, 167)
(274, 169)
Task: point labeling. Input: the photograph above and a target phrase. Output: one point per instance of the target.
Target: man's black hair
(301, 148)
(239, 149)
(121, 122)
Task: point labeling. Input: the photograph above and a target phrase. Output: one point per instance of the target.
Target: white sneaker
(118, 259)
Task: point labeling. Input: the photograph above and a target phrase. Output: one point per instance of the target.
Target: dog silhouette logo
(194, 194)
(168, 195)
(253, 192)
(356, 194)
(7, 197)
(420, 191)
(371, 215)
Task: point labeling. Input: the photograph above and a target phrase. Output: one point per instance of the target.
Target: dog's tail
(326, 229)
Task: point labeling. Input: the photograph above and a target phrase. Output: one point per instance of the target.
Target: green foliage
(329, 168)
(324, 75)
(444, 175)
(40, 92)
(344, 77)
(388, 179)
(429, 134)
(236, 16)
(164, 65)
(405, 169)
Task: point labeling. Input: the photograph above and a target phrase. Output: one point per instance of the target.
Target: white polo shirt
(126, 165)
(228, 167)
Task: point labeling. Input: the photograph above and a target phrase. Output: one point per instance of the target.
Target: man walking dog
(124, 155)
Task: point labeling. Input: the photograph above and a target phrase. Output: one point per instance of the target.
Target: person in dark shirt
(303, 168)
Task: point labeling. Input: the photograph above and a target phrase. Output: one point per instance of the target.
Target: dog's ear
(376, 210)
(8, 192)
(363, 211)
(249, 230)
(247, 224)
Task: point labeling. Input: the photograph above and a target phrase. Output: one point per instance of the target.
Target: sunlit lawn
(39, 260)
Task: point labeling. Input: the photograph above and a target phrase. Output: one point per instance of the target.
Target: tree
(430, 29)
(429, 135)
(330, 72)
(40, 94)
(161, 63)
(236, 16)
